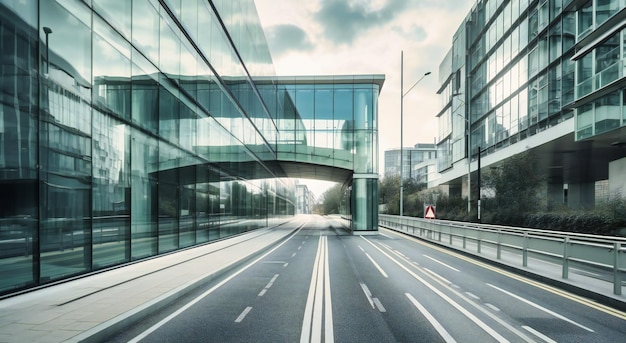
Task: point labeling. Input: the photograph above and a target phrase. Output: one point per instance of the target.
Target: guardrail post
(464, 240)
(565, 273)
(525, 250)
(478, 241)
(617, 274)
(499, 247)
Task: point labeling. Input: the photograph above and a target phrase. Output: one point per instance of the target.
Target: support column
(364, 204)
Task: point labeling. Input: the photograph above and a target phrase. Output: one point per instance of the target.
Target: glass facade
(131, 129)
(600, 69)
(517, 78)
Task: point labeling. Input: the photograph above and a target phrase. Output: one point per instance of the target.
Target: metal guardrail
(600, 252)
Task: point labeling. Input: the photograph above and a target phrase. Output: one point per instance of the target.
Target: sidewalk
(92, 308)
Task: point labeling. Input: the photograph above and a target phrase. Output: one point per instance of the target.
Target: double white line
(318, 303)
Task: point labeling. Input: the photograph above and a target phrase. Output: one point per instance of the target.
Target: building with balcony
(544, 76)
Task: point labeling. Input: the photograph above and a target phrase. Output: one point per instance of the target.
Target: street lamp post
(402, 94)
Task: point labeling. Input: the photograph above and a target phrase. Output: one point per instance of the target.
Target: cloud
(344, 21)
(286, 37)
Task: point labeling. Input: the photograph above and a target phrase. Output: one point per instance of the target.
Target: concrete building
(542, 76)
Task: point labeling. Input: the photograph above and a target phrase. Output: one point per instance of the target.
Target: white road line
(453, 303)
(363, 250)
(376, 265)
(472, 295)
(269, 284)
(329, 335)
(438, 276)
(441, 263)
(379, 305)
(493, 307)
(243, 314)
(293, 255)
(205, 294)
(538, 334)
(368, 294)
(318, 305)
(382, 234)
(540, 307)
(286, 264)
(440, 329)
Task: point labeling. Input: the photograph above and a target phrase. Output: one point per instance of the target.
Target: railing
(603, 253)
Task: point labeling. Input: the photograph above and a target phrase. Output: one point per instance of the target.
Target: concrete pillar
(617, 177)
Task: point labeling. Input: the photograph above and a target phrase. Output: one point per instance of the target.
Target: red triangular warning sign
(430, 213)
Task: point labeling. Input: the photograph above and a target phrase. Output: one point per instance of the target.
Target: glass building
(130, 129)
(542, 75)
(413, 156)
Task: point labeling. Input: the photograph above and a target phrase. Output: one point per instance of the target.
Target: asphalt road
(324, 285)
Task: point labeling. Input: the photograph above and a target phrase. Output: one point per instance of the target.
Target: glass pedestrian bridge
(130, 129)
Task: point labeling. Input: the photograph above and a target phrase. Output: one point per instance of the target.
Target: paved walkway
(92, 308)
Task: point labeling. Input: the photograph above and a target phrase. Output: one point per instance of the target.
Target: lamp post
(402, 94)
(469, 155)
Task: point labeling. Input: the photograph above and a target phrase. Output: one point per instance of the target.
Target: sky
(346, 37)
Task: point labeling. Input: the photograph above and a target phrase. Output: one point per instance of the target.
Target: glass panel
(65, 151)
(607, 114)
(18, 144)
(111, 191)
(585, 19)
(584, 121)
(144, 200)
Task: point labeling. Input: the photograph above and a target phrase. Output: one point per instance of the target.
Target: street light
(402, 94)
(469, 154)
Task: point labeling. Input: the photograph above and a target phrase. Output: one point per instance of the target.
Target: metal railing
(603, 253)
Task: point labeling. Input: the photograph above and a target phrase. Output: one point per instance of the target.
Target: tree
(332, 200)
(516, 184)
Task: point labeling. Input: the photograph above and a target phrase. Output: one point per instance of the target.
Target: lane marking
(493, 307)
(286, 264)
(293, 255)
(243, 314)
(209, 291)
(441, 263)
(318, 305)
(540, 307)
(443, 296)
(440, 329)
(438, 276)
(368, 294)
(553, 290)
(538, 334)
(376, 265)
(382, 234)
(472, 295)
(379, 305)
(363, 250)
(269, 284)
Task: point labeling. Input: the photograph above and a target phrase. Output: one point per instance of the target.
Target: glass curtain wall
(520, 73)
(127, 130)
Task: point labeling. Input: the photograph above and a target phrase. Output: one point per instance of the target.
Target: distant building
(412, 157)
(540, 76)
(305, 200)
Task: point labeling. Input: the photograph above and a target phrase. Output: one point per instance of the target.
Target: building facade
(305, 200)
(543, 76)
(133, 129)
(412, 157)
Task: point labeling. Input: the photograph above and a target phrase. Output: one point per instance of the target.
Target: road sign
(429, 212)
